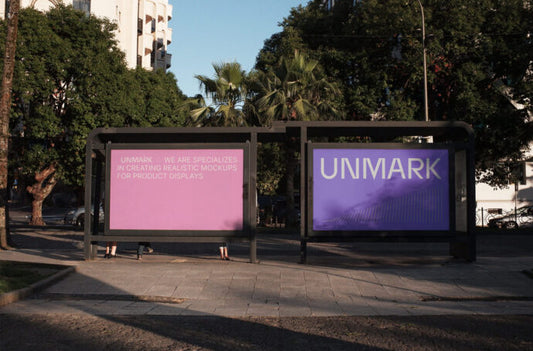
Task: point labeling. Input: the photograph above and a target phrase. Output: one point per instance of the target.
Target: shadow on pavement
(84, 325)
(69, 332)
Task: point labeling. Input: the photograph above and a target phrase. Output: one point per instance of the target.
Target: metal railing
(484, 215)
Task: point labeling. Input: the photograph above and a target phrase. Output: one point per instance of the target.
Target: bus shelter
(378, 181)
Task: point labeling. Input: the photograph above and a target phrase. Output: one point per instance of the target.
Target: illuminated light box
(175, 189)
(380, 188)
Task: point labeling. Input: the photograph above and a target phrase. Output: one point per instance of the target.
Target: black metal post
(88, 192)
(303, 194)
(253, 197)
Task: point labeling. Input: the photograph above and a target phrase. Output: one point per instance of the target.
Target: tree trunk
(45, 182)
(5, 108)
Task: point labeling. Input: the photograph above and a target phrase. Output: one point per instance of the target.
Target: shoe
(112, 256)
(227, 258)
(106, 255)
(139, 257)
(149, 249)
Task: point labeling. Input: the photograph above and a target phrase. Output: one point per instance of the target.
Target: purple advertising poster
(176, 189)
(380, 189)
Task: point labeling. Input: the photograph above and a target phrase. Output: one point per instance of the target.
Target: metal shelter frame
(458, 135)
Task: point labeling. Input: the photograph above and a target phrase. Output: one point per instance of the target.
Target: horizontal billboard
(380, 188)
(175, 189)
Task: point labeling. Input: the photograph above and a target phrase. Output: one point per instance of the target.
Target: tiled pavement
(278, 287)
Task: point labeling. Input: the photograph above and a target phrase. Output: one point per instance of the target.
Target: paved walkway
(278, 286)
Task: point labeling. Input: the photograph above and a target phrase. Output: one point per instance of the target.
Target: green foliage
(271, 168)
(158, 99)
(479, 56)
(227, 90)
(280, 44)
(70, 77)
(294, 89)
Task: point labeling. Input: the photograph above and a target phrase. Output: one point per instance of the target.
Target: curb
(20, 294)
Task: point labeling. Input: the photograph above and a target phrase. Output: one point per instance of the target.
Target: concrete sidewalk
(331, 285)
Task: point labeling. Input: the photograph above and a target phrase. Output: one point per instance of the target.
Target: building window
(329, 4)
(152, 59)
(82, 5)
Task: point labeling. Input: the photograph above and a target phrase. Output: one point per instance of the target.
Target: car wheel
(511, 225)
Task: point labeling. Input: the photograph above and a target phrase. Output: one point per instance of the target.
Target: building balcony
(160, 43)
(168, 61)
(169, 12)
(168, 35)
(162, 60)
(150, 10)
(161, 11)
(147, 44)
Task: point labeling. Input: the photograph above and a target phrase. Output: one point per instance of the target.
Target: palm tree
(227, 92)
(294, 89)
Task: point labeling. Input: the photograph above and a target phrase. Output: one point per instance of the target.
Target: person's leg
(140, 251)
(224, 251)
(107, 249)
(226, 257)
(113, 249)
(149, 248)
(221, 248)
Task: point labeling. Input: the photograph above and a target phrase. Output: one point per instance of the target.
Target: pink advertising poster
(176, 189)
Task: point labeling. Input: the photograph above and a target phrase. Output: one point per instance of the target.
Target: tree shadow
(102, 316)
(119, 321)
(69, 332)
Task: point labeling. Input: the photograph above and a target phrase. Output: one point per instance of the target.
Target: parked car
(510, 220)
(76, 216)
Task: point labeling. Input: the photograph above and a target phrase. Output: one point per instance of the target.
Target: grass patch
(18, 275)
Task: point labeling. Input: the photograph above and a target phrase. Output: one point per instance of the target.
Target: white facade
(497, 201)
(143, 33)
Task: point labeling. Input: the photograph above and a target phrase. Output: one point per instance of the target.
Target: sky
(214, 31)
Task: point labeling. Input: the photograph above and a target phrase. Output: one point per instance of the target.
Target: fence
(484, 215)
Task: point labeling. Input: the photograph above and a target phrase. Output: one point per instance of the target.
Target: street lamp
(426, 114)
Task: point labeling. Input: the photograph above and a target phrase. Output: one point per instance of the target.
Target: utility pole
(5, 108)
(426, 112)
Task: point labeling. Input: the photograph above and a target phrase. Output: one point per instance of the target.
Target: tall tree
(295, 89)
(479, 65)
(228, 91)
(69, 75)
(70, 78)
(157, 99)
(5, 108)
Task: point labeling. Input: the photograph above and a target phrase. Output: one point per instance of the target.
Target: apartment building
(143, 32)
